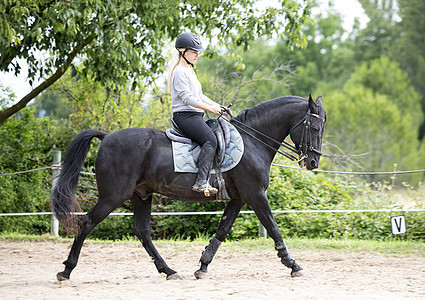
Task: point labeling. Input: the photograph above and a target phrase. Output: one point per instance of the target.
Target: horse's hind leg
(98, 213)
(229, 216)
(142, 229)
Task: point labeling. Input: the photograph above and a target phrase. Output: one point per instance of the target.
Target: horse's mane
(267, 106)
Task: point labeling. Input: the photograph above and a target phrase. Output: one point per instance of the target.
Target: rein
(283, 144)
(304, 146)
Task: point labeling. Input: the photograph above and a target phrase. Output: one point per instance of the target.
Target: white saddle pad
(184, 162)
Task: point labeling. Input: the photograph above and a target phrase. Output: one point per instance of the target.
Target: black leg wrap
(296, 268)
(283, 253)
(210, 250)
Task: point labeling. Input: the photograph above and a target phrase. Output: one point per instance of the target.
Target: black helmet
(189, 40)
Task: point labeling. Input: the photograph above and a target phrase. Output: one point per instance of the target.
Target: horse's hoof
(61, 276)
(297, 274)
(174, 276)
(201, 275)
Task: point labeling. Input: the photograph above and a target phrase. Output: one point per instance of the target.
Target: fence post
(262, 232)
(54, 225)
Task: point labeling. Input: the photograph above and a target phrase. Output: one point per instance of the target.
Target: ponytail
(174, 62)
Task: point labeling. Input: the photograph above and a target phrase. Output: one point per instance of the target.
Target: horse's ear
(319, 100)
(309, 98)
(311, 102)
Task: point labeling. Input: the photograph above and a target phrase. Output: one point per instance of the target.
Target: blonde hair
(174, 62)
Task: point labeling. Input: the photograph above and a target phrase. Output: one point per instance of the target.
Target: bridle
(306, 137)
(306, 143)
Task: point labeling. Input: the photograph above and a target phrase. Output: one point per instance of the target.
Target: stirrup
(205, 188)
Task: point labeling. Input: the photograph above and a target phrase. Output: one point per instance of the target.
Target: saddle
(222, 132)
(220, 129)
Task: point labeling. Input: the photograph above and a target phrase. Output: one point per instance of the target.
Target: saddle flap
(213, 124)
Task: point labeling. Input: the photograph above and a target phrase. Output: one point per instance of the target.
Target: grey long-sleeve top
(186, 91)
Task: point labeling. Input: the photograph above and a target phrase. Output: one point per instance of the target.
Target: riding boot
(205, 163)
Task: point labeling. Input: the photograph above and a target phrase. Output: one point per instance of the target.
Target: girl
(188, 104)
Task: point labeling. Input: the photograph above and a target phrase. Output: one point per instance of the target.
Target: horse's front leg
(230, 213)
(260, 205)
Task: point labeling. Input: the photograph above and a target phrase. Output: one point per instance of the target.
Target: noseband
(306, 141)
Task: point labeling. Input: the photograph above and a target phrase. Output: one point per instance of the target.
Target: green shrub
(26, 143)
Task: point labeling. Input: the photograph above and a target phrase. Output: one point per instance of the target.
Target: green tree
(401, 41)
(90, 104)
(120, 41)
(385, 77)
(6, 96)
(410, 51)
(260, 78)
(53, 103)
(296, 71)
(374, 115)
(380, 35)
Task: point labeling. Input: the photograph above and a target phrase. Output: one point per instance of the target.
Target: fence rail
(193, 213)
(353, 173)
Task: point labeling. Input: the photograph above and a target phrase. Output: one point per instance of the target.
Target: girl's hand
(212, 107)
(224, 110)
(217, 109)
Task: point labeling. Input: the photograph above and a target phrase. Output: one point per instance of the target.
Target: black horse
(134, 163)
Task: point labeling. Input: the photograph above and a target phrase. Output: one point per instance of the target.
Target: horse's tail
(63, 195)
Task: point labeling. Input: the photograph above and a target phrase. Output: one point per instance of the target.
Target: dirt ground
(124, 271)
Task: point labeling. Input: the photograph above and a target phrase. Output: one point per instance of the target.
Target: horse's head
(307, 134)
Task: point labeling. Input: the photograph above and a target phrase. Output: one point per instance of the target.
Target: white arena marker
(398, 224)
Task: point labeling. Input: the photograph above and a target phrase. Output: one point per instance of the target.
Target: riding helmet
(189, 40)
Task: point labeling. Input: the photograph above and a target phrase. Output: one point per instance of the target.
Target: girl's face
(192, 56)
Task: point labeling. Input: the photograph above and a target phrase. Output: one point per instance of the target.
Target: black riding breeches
(194, 127)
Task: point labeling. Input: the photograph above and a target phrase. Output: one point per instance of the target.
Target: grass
(391, 247)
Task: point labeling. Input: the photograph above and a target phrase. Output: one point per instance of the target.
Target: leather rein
(306, 140)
